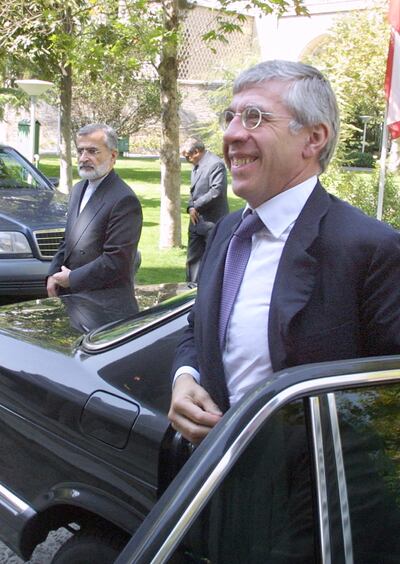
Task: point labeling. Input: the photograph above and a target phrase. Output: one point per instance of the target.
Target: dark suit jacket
(101, 242)
(208, 188)
(335, 295)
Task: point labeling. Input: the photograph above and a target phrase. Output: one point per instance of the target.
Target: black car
(32, 224)
(304, 469)
(83, 417)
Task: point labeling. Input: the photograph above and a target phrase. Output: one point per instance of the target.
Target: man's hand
(62, 277)
(192, 412)
(52, 287)
(194, 215)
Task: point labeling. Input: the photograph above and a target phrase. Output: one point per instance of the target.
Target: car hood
(37, 208)
(60, 323)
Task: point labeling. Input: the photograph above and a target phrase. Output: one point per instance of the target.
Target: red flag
(392, 81)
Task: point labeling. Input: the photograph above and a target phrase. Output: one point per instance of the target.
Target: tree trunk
(170, 218)
(65, 130)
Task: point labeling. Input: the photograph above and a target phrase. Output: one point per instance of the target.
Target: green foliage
(360, 189)
(230, 16)
(353, 57)
(43, 34)
(360, 159)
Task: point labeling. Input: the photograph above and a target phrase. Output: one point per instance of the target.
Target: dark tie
(235, 264)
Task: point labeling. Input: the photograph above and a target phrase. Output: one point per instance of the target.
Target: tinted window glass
(370, 432)
(263, 511)
(14, 175)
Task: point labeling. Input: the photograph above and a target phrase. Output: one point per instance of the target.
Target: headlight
(14, 243)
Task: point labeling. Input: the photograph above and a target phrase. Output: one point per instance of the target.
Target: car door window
(263, 510)
(369, 422)
(14, 175)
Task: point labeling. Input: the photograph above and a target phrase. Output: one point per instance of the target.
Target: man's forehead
(91, 139)
(268, 91)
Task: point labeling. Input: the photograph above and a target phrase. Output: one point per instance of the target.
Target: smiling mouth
(243, 161)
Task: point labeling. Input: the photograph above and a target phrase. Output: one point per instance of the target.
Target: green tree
(165, 28)
(115, 90)
(353, 57)
(61, 39)
(42, 36)
(72, 41)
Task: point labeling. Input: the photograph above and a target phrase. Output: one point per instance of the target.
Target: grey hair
(111, 135)
(193, 144)
(309, 97)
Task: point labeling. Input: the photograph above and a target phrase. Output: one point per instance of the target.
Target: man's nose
(83, 157)
(235, 130)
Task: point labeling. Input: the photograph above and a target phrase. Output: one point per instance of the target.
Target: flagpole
(382, 166)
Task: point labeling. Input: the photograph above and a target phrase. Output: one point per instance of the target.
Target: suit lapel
(92, 208)
(194, 178)
(201, 170)
(296, 274)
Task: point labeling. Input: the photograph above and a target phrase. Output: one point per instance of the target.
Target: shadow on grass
(137, 176)
(146, 176)
(149, 202)
(160, 275)
(155, 203)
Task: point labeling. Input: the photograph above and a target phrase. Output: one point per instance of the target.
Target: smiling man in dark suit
(321, 279)
(103, 225)
(208, 201)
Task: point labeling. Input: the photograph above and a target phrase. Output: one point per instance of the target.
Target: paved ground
(43, 553)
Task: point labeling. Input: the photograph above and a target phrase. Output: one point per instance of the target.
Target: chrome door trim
(342, 484)
(137, 326)
(310, 387)
(320, 474)
(11, 502)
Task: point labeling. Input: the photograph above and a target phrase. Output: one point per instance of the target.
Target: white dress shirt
(90, 189)
(246, 356)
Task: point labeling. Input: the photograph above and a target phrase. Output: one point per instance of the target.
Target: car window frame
(170, 519)
(136, 326)
(35, 172)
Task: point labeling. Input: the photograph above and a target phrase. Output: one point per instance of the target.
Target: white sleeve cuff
(186, 370)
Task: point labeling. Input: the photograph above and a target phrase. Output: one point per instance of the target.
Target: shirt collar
(282, 210)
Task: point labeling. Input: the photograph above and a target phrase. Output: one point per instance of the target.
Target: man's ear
(316, 140)
(114, 155)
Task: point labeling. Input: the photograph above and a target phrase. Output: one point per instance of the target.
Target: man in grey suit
(208, 201)
(103, 225)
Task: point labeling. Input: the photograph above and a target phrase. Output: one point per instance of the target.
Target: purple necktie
(235, 264)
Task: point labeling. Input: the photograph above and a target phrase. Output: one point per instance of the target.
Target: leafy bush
(360, 189)
(360, 159)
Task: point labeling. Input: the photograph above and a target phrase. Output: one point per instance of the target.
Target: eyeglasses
(251, 118)
(91, 151)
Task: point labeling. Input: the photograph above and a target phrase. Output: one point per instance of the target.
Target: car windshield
(16, 173)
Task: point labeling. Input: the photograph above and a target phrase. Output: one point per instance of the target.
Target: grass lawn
(143, 175)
